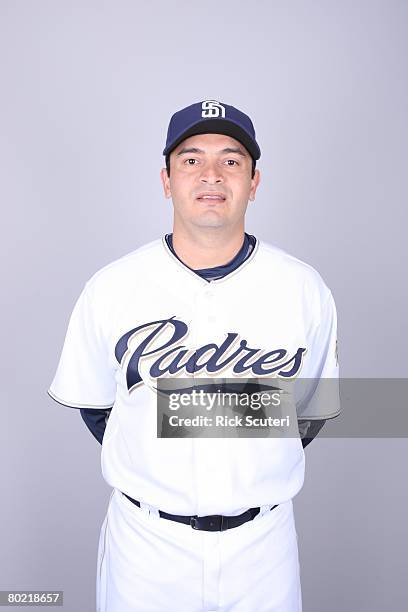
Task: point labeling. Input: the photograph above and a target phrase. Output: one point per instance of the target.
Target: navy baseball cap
(211, 117)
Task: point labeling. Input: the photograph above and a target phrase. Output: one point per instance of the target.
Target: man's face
(210, 181)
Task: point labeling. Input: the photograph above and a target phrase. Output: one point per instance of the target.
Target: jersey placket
(206, 459)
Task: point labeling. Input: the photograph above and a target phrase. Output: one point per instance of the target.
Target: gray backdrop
(87, 89)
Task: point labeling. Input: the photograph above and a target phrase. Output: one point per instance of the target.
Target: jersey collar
(196, 274)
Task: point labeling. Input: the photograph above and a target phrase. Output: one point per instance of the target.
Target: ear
(254, 185)
(165, 182)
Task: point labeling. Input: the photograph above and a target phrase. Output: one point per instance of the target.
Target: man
(199, 523)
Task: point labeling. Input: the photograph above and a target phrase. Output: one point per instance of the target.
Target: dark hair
(168, 165)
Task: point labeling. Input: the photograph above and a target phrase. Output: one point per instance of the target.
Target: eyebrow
(226, 150)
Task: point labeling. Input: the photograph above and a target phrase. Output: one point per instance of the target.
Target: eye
(190, 159)
(234, 162)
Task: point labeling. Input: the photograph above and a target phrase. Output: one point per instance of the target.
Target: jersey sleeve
(85, 378)
(317, 391)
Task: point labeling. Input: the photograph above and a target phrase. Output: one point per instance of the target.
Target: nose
(211, 173)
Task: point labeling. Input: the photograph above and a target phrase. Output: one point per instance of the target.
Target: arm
(309, 429)
(96, 421)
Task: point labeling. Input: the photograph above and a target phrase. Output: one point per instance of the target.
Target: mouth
(211, 197)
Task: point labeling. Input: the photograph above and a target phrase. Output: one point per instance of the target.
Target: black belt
(213, 522)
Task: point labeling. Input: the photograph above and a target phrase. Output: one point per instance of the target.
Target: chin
(209, 221)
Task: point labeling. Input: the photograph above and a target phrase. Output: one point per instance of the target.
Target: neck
(207, 249)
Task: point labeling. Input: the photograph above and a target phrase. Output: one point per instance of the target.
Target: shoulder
(292, 271)
(126, 268)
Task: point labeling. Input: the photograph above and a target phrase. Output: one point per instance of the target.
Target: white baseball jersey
(146, 316)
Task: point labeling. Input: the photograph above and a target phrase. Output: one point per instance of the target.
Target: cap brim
(218, 126)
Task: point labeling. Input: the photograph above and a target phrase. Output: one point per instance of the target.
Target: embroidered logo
(212, 108)
(168, 358)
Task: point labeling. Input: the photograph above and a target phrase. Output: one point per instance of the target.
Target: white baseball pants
(150, 564)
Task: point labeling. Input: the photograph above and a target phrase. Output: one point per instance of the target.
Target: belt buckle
(213, 522)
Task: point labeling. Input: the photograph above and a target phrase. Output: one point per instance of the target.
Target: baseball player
(199, 523)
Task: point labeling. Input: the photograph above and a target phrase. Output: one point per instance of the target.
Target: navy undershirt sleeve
(96, 420)
(312, 431)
